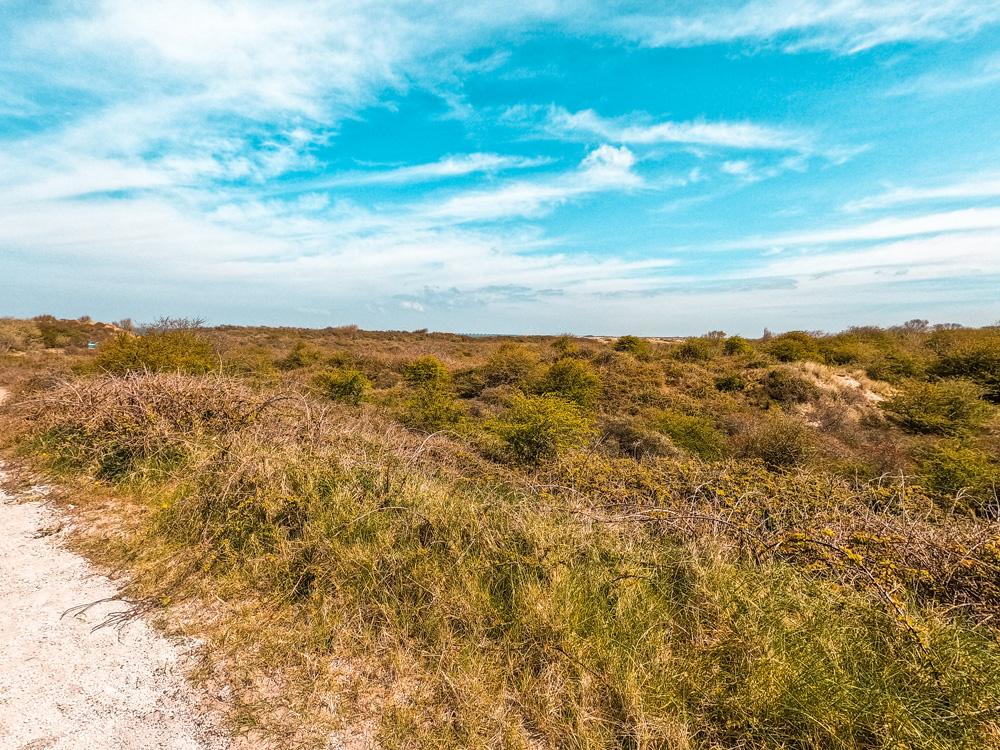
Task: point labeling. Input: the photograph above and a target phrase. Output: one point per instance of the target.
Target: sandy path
(64, 687)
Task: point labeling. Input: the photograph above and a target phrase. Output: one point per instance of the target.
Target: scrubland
(432, 540)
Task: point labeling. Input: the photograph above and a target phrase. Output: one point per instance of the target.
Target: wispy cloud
(446, 167)
(644, 130)
(938, 257)
(604, 168)
(845, 26)
(885, 229)
(987, 186)
(985, 72)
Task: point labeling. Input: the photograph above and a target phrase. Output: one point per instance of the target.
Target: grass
(345, 571)
(505, 618)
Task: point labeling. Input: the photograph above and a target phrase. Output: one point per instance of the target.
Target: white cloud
(885, 229)
(448, 166)
(845, 26)
(604, 168)
(986, 72)
(987, 186)
(740, 168)
(962, 255)
(640, 130)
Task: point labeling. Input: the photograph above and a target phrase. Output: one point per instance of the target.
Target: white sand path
(65, 687)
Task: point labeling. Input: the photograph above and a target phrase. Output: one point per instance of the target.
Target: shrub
(779, 441)
(697, 349)
(18, 335)
(788, 387)
(426, 371)
(171, 351)
(794, 346)
(626, 437)
(302, 355)
(893, 366)
(731, 382)
(433, 408)
(566, 346)
(696, 435)
(537, 428)
(949, 407)
(628, 384)
(511, 364)
(736, 345)
(949, 470)
(346, 386)
(978, 361)
(637, 347)
(574, 381)
(251, 361)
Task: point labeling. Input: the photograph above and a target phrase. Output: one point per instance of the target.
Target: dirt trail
(64, 687)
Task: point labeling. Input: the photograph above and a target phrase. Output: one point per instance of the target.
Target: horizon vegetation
(545, 541)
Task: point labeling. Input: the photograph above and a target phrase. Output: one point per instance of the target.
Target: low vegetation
(548, 542)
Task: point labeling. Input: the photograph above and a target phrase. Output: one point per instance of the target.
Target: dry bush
(779, 440)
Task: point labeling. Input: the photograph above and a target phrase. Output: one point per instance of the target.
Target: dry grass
(344, 571)
(350, 575)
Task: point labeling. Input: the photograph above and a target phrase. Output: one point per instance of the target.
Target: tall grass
(588, 604)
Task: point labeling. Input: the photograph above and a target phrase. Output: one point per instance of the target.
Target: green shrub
(893, 366)
(566, 346)
(433, 408)
(846, 349)
(302, 355)
(346, 386)
(170, 351)
(637, 347)
(511, 365)
(977, 360)
(628, 384)
(794, 346)
(18, 335)
(697, 350)
(696, 435)
(950, 470)
(948, 407)
(736, 345)
(426, 371)
(574, 381)
(731, 382)
(537, 428)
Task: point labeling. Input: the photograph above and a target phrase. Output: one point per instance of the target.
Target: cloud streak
(643, 130)
(984, 187)
(845, 26)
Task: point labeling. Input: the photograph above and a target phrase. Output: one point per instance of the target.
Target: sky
(552, 166)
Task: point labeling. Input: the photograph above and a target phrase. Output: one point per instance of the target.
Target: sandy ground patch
(65, 686)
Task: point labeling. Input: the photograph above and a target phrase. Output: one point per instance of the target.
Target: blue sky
(536, 167)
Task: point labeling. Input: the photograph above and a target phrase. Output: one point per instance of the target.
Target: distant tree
(916, 325)
(164, 324)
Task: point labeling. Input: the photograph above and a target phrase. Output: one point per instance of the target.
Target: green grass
(483, 607)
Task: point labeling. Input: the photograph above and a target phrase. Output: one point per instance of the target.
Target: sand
(66, 686)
